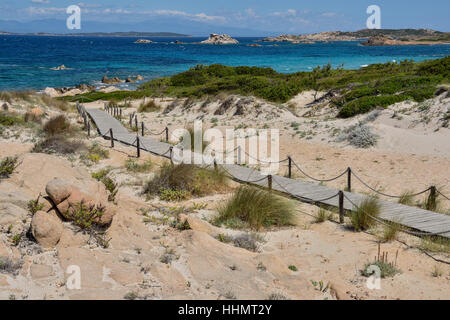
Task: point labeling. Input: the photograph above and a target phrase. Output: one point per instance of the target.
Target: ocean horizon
(26, 61)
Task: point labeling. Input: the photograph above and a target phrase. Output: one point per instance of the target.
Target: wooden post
(215, 164)
(239, 158)
(85, 120)
(289, 167)
(111, 137)
(120, 113)
(171, 154)
(142, 127)
(138, 147)
(167, 134)
(131, 120)
(269, 181)
(349, 179)
(136, 122)
(341, 207)
(431, 202)
(88, 129)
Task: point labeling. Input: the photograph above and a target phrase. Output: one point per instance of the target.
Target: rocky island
(143, 41)
(215, 38)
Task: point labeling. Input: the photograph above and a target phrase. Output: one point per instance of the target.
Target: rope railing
(291, 163)
(316, 179)
(385, 194)
(414, 233)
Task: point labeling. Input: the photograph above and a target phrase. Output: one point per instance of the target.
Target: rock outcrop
(378, 41)
(143, 41)
(114, 80)
(69, 199)
(61, 67)
(215, 38)
(46, 229)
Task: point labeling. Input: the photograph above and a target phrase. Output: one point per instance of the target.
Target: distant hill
(130, 34)
(106, 34)
(395, 34)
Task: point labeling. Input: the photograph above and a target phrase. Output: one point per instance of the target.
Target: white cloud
(43, 10)
(328, 14)
(41, 1)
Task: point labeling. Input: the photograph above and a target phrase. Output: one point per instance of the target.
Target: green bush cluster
(360, 91)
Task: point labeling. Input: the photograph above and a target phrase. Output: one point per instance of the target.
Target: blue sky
(290, 16)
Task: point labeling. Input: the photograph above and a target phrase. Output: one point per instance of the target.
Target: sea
(26, 61)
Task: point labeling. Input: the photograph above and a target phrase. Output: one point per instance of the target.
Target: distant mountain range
(168, 25)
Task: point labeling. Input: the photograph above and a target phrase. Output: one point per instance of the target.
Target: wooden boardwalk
(415, 218)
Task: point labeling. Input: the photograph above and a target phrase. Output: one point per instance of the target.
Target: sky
(282, 16)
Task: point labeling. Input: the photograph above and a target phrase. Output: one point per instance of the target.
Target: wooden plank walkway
(412, 217)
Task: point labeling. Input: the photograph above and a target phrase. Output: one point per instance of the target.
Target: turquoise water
(26, 61)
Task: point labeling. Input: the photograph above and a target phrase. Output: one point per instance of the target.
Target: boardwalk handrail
(125, 137)
(349, 171)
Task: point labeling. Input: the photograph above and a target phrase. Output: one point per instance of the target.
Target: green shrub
(257, 208)
(174, 195)
(133, 166)
(7, 119)
(360, 216)
(35, 206)
(7, 166)
(293, 268)
(368, 103)
(96, 153)
(86, 216)
(109, 183)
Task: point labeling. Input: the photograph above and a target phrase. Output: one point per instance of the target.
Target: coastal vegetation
(255, 208)
(354, 91)
(180, 182)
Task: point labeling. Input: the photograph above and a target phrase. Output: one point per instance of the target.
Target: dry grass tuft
(360, 217)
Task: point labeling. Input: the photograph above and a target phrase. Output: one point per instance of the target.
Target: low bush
(387, 269)
(360, 216)
(8, 119)
(185, 180)
(109, 183)
(149, 106)
(248, 241)
(7, 166)
(95, 153)
(9, 266)
(57, 125)
(257, 208)
(58, 145)
(362, 136)
(55, 103)
(133, 166)
(85, 216)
